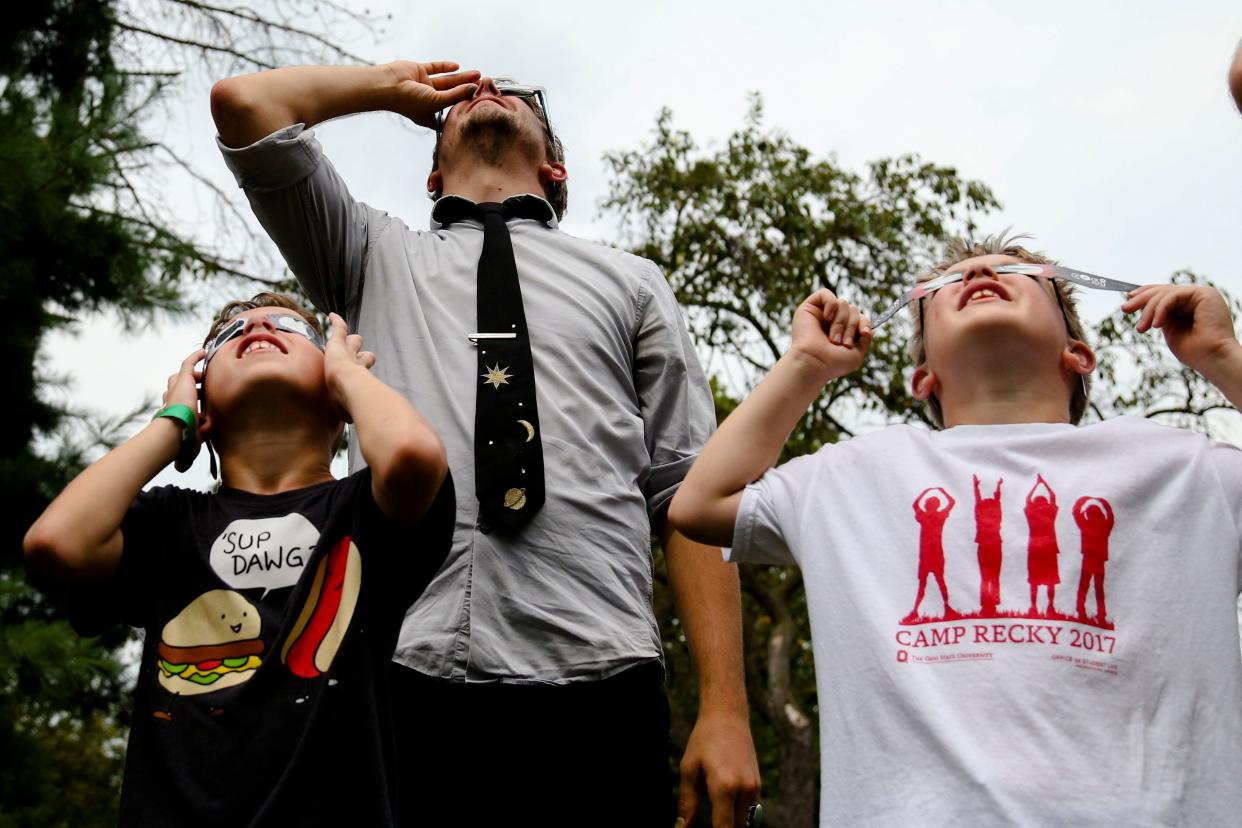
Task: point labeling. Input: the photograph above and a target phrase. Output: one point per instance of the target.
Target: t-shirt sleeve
(1227, 461)
(304, 205)
(673, 395)
(126, 596)
(766, 527)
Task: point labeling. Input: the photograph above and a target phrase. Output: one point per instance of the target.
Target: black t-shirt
(270, 623)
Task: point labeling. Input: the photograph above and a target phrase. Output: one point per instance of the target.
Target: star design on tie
(496, 376)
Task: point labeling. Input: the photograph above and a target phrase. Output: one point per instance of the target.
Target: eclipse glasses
(507, 87)
(1045, 271)
(286, 322)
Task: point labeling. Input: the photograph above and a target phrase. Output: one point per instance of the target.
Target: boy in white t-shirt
(997, 709)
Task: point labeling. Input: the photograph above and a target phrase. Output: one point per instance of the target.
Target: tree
(87, 227)
(744, 233)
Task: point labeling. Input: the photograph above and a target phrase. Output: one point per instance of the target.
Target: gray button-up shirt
(624, 409)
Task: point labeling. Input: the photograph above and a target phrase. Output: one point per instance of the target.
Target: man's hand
(721, 757)
(831, 332)
(1196, 321)
(343, 354)
(421, 90)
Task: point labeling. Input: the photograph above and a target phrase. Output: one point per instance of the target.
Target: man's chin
(490, 133)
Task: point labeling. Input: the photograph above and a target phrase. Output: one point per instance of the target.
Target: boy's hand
(183, 386)
(832, 332)
(342, 355)
(183, 390)
(419, 95)
(1196, 321)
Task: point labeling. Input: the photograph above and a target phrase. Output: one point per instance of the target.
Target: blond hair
(959, 249)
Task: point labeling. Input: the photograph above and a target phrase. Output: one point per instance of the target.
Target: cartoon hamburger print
(211, 644)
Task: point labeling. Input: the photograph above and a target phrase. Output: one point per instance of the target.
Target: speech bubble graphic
(267, 553)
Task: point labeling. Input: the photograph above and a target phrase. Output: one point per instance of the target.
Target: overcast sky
(1105, 128)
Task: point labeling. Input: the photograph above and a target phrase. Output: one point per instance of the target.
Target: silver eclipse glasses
(1045, 271)
(289, 323)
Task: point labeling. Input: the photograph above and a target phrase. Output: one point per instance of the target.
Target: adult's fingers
(353, 344)
(688, 796)
(740, 807)
(442, 99)
(455, 79)
(435, 67)
(725, 800)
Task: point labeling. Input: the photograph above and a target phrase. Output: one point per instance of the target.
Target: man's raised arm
(297, 195)
(248, 108)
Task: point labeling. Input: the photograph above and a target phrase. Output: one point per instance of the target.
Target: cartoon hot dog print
(321, 625)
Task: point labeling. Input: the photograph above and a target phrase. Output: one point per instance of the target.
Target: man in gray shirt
(529, 671)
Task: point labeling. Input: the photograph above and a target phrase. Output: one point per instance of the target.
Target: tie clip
(475, 337)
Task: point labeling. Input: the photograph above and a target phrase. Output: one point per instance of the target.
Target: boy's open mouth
(260, 343)
(979, 290)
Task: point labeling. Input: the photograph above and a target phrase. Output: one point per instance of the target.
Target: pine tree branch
(195, 44)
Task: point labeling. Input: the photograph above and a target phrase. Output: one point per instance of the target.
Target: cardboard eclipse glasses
(286, 322)
(509, 87)
(1045, 271)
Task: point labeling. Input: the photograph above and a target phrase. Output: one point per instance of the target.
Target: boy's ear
(1078, 357)
(434, 181)
(924, 383)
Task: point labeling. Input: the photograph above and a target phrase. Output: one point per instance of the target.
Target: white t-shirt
(988, 713)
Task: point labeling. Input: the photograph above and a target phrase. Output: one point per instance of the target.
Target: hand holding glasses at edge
(832, 332)
(423, 89)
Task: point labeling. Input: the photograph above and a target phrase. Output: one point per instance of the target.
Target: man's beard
(491, 135)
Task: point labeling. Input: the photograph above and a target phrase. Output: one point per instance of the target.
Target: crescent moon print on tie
(530, 429)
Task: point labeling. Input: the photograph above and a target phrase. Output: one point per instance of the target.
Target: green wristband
(189, 431)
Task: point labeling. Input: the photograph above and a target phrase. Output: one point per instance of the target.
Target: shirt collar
(526, 197)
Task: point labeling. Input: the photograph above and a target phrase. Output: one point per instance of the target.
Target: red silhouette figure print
(1094, 517)
(988, 539)
(931, 517)
(1042, 550)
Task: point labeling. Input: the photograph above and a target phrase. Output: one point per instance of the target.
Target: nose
(487, 86)
(253, 322)
(979, 271)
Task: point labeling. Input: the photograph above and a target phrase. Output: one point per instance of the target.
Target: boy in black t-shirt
(270, 608)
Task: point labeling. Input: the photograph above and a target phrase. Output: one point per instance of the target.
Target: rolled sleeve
(673, 395)
(280, 160)
(758, 533)
(306, 209)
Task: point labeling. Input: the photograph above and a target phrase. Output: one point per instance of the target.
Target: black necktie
(508, 449)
